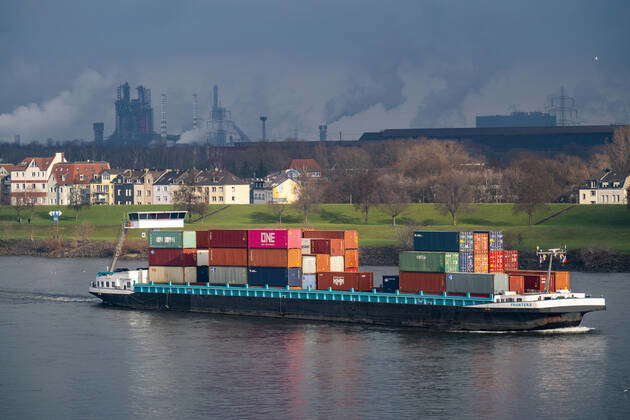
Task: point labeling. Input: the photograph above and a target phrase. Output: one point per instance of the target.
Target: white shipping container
(309, 264)
(336, 263)
(306, 246)
(203, 257)
(160, 274)
(190, 274)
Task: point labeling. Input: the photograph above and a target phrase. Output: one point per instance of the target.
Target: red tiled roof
(305, 165)
(11, 167)
(42, 163)
(70, 173)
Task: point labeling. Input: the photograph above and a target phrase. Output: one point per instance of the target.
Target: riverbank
(584, 260)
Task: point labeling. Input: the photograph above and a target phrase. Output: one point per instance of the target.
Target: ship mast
(543, 254)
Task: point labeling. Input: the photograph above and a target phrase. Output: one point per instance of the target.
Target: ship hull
(435, 317)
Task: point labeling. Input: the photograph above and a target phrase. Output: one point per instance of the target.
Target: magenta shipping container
(274, 238)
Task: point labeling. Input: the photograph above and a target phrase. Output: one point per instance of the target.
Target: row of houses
(55, 181)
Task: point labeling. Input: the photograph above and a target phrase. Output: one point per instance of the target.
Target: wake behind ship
(450, 281)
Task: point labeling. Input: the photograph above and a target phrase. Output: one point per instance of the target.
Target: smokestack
(195, 117)
(163, 115)
(215, 97)
(98, 128)
(323, 132)
(264, 127)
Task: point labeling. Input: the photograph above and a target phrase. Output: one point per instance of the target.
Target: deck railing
(310, 294)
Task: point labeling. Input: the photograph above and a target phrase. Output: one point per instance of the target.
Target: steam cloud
(55, 117)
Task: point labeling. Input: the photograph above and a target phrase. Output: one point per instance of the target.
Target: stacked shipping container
(331, 260)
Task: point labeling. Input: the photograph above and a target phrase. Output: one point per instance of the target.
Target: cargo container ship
(314, 275)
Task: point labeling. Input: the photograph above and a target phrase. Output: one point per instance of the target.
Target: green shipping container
(172, 239)
(429, 262)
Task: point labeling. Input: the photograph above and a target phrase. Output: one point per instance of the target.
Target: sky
(356, 65)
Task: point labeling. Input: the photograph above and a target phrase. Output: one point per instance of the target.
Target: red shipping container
(218, 238)
(495, 262)
(351, 258)
(361, 282)
(516, 284)
(320, 246)
(275, 238)
(351, 269)
(228, 257)
(275, 258)
(186, 257)
(510, 260)
(480, 243)
(429, 283)
(350, 237)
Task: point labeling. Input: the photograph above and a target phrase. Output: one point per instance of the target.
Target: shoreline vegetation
(597, 236)
(585, 260)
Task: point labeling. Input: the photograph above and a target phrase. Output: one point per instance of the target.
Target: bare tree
(77, 200)
(309, 198)
(366, 191)
(84, 231)
(532, 185)
(395, 197)
(453, 194)
(188, 196)
(619, 151)
(278, 210)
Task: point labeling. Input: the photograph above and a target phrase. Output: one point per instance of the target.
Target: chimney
(323, 132)
(163, 114)
(98, 128)
(264, 127)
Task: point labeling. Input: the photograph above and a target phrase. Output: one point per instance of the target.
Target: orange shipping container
(517, 284)
(563, 280)
(260, 257)
(351, 257)
(480, 242)
(337, 247)
(480, 263)
(322, 264)
(228, 257)
(350, 237)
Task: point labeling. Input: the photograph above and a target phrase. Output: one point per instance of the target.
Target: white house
(608, 188)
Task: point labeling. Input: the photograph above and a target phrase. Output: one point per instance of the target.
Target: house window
(214, 198)
(148, 193)
(233, 198)
(44, 187)
(214, 189)
(220, 198)
(233, 189)
(592, 193)
(583, 196)
(139, 193)
(220, 189)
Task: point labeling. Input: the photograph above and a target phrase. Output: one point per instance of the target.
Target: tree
(84, 231)
(619, 151)
(189, 196)
(309, 197)
(278, 209)
(453, 193)
(395, 196)
(77, 200)
(366, 191)
(531, 185)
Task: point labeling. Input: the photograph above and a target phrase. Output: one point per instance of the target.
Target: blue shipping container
(466, 242)
(495, 241)
(391, 284)
(274, 276)
(309, 280)
(436, 241)
(466, 262)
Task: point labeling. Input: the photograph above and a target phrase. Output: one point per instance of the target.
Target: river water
(63, 355)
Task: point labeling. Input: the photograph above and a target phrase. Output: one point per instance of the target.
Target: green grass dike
(594, 227)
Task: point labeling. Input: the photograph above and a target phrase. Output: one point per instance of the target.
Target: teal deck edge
(310, 294)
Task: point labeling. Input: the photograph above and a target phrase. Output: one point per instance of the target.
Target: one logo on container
(268, 237)
(338, 281)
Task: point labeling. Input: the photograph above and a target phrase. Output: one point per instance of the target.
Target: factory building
(134, 117)
(517, 119)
